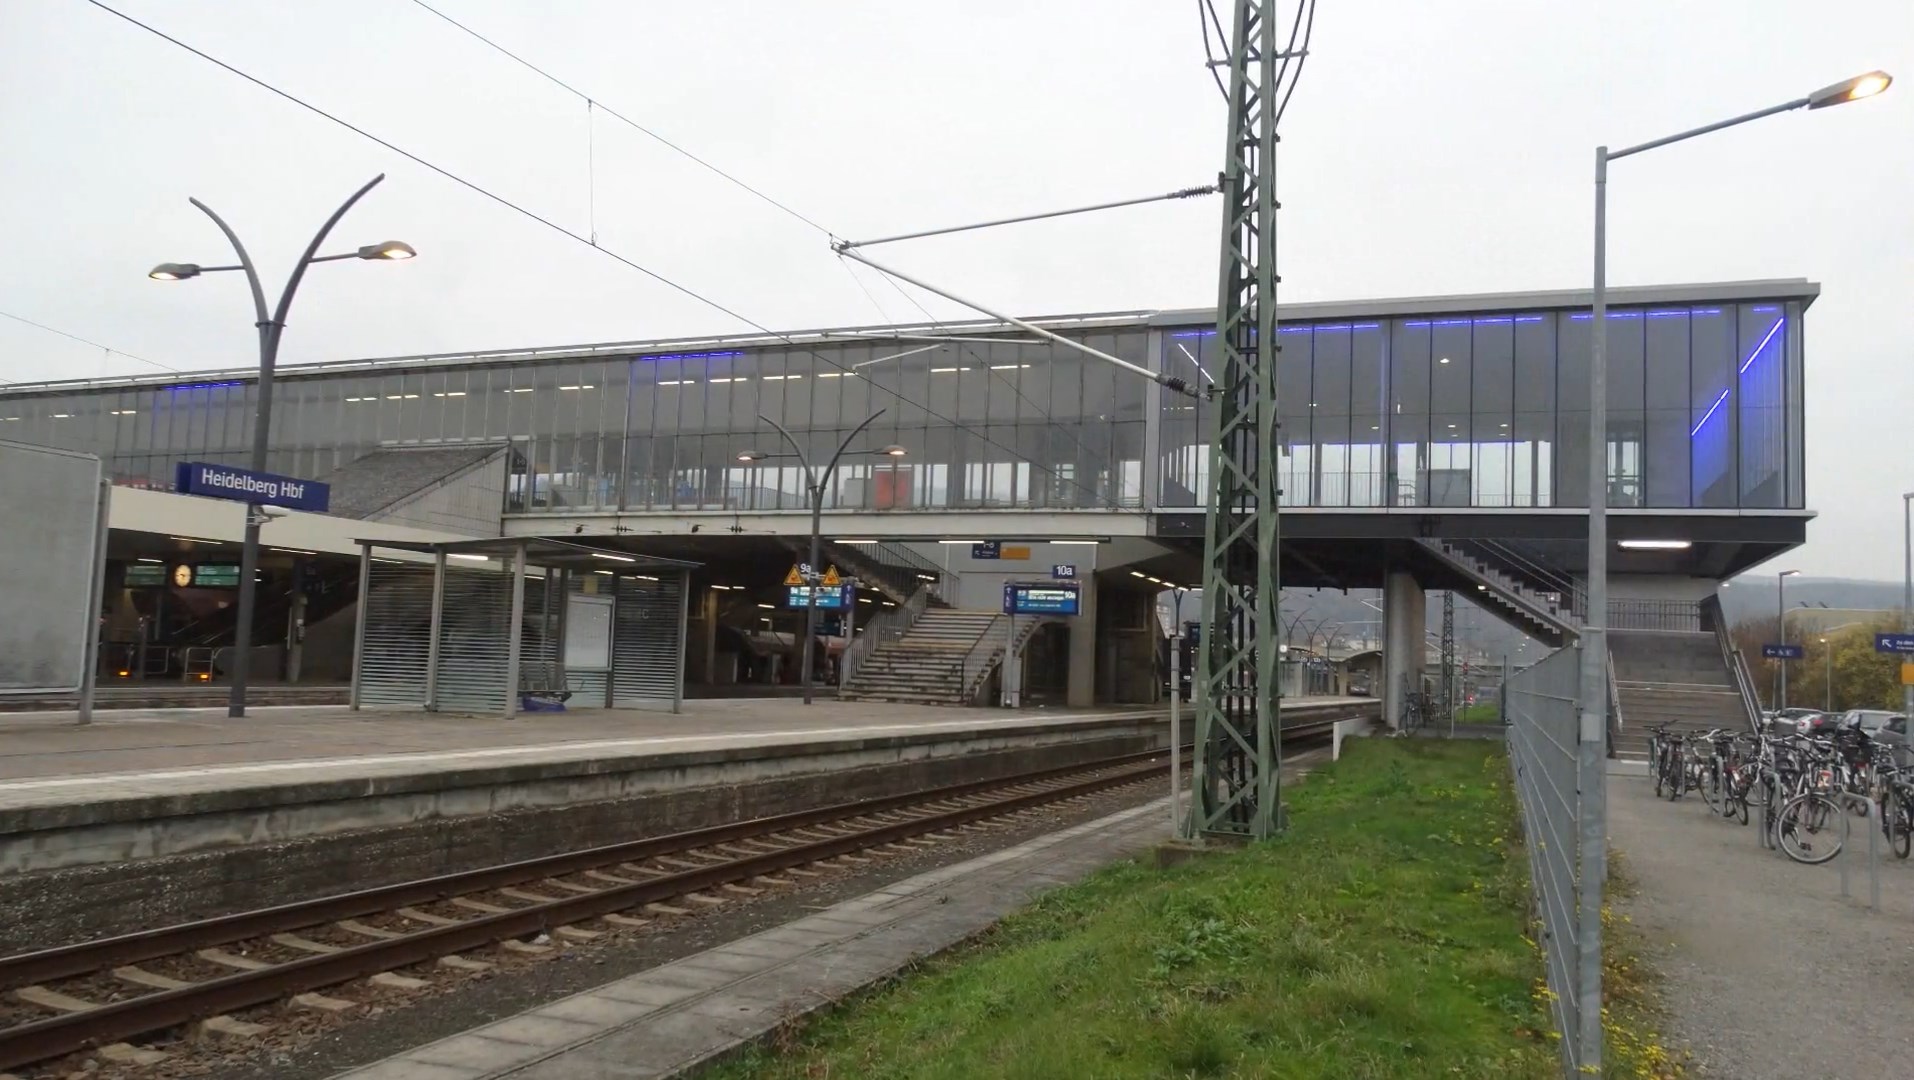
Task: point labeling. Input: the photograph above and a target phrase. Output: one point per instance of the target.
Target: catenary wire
(75, 337)
(616, 115)
(968, 350)
(555, 227)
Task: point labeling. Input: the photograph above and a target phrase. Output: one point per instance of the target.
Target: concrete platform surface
(662, 1021)
(47, 759)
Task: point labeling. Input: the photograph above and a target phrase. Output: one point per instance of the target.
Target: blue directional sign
(1782, 652)
(987, 549)
(1044, 599)
(829, 597)
(247, 486)
(1894, 643)
(1064, 571)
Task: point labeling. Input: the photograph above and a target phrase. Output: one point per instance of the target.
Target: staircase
(937, 661)
(1674, 677)
(1544, 614)
(892, 570)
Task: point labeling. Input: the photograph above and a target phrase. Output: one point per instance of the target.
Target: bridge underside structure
(1430, 442)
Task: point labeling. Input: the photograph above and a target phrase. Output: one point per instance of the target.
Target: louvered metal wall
(474, 641)
(647, 650)
(398, 631)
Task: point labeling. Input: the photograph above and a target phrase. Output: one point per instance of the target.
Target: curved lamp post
(1594, 636)
(270, 326)
(815, 485)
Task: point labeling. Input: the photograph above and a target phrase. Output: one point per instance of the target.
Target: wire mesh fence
(1541, 703)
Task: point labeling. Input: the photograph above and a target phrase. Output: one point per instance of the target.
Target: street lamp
(1781, 621)
(271, 326)
(1594, 637)
(815, 485)
(1907, 590)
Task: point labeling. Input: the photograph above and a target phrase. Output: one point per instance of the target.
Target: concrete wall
(1659, 587)
(173, 860)
(471, 502)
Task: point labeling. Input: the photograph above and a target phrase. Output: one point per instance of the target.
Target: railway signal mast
(1236, 792)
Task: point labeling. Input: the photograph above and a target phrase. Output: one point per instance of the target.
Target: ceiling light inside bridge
(1658, 545)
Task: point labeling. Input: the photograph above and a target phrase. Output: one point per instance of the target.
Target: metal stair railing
(886, 628)
(1552, 580)
(1614, 704)
(1711, 614)
(1507, 588)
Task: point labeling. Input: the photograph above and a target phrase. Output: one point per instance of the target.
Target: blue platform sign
(1894, 643)
(987, 549)
(829, 597)
(247, 486)
(1064, 571)
(1782, 652)
(1045, 599)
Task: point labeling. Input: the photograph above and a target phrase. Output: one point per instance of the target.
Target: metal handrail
(888, 626)
(1556, 580)
(1710, 611)
(1614, 703)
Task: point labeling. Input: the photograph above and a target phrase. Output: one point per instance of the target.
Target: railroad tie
(124, 1054)
(665, 909)
(394, 981)
(53, 999)
(479, 906)
(139, 976)
(704, 898)
(577, 933)
(634, 868)
(463, 963)
(354, 926)
(294, 941)
(228, 1027)
(625, 921)
(526, 895)
(322, 1003)
(682, 864)
(427, 917)
(609, 879)
(567, 886)
(741, 890)
(528, 947)
(231, 960)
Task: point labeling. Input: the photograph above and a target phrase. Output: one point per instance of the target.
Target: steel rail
(118, 1021)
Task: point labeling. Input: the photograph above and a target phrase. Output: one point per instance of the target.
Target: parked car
(1874, 720)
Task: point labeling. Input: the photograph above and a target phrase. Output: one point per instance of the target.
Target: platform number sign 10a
(1064, 571)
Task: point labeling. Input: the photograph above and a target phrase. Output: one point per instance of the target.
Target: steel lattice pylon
(1235, 791)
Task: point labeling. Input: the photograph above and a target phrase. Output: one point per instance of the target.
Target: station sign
(987, 549)
(143, 575)
(1064, 571)
(1048, 598)
(829, 597)
(247, 486)
(1894, 643)
(1783, 652)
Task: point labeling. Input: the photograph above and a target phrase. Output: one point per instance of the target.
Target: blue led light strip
(1752, 354)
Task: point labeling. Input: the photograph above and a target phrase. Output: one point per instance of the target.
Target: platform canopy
(496, 624)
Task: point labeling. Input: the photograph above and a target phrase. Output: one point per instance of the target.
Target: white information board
(588, 633)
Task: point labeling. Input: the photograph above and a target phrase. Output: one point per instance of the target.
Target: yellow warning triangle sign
(831, 580)
(794, 578)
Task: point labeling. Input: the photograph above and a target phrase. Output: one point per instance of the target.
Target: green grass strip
(1383, 936)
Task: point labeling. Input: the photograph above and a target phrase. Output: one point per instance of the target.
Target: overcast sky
(1432, 148)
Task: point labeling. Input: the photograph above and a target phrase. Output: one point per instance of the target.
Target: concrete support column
(1080, 690)
(708, 634)
(1404, 616)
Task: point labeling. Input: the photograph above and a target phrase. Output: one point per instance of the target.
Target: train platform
(193, 813)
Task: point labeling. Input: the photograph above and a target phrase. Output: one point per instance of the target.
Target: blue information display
(1894, 643)
(247, 486)
(1782, 652)
(829, 597)
(1046, 599)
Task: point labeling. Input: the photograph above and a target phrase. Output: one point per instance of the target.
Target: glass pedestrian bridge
(1451, 403)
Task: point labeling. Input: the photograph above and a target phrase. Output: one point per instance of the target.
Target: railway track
(71, 998)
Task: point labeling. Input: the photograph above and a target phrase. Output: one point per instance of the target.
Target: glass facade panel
(1485, 410)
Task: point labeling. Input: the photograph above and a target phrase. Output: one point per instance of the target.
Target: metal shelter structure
(484, 626)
